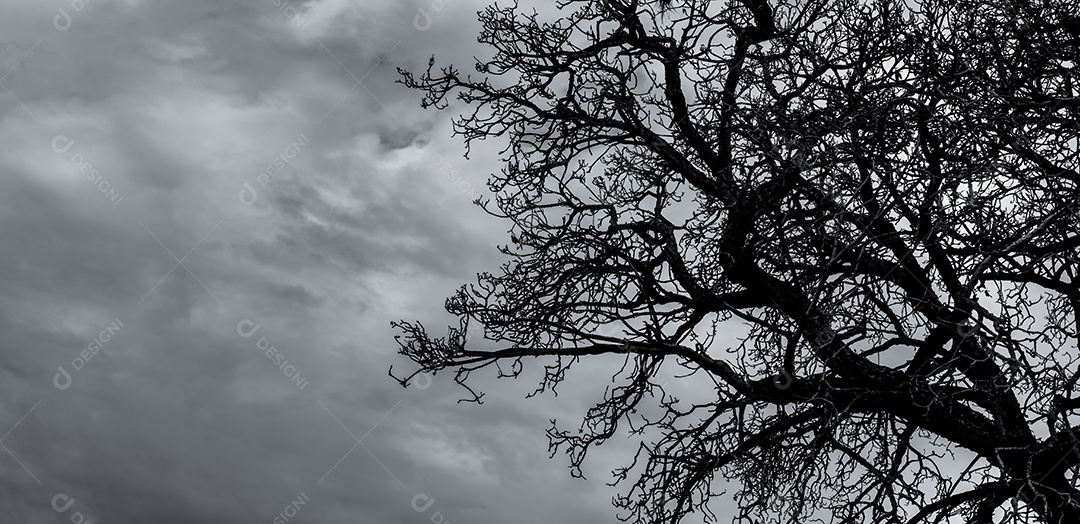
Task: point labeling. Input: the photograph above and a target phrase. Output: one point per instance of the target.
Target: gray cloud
(128, 139)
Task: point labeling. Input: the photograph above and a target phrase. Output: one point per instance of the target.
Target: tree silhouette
(852, 225)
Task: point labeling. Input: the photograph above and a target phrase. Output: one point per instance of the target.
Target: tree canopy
(853, 224)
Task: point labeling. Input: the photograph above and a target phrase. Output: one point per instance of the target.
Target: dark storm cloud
(128, 139)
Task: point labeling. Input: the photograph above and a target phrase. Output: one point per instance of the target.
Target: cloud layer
(207, 205)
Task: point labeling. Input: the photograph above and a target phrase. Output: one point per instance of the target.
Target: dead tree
(851, 225)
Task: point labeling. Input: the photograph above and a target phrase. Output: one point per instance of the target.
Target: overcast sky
(186, 184)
